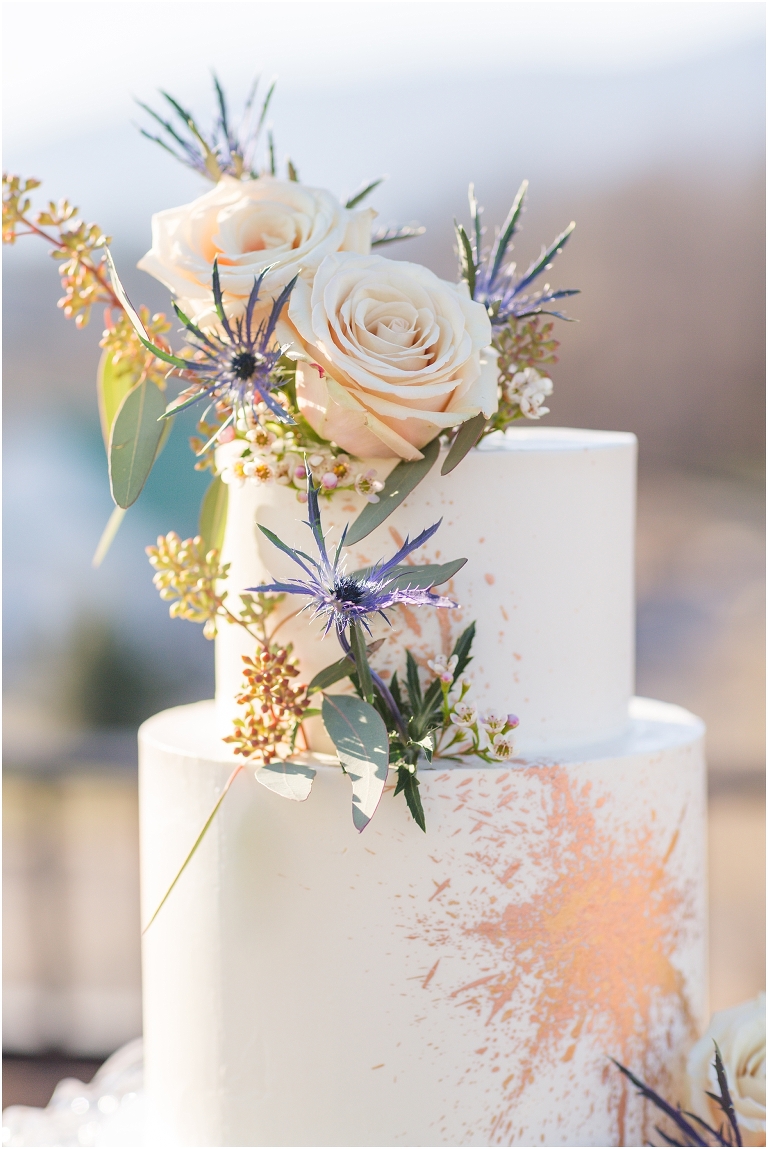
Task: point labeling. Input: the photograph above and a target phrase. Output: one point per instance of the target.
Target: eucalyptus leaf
(213, 514)
(468, 435)
(113, 382)
(400, 482)
(362, 744)
(134, 441)
(288, 779)
(338, 670)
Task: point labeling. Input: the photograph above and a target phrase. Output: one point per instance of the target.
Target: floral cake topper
(310, 358)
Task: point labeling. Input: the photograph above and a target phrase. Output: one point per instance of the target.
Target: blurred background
(645, 124)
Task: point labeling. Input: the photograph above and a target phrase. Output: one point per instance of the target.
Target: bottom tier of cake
(308, 985)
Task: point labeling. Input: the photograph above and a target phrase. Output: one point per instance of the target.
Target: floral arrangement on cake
(306, 352)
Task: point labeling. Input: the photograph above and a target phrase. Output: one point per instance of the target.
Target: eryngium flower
(496, 284)
(344, 599)
(235, 365)
(226, 150)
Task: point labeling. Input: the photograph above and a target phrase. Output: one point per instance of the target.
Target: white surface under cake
(306, 985)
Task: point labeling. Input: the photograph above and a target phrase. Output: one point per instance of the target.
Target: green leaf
(365, 190)
(213, 514)
(362, 743)
(401, 481)
(469, 434)
(408, 784)
(107, 536)
(134, 441)
(467, 268)
(331, 674)
(288, 779)
(197, 842)
(113, 382)
(357, 640)
(462, 649)
(412, 682)
(424, 577)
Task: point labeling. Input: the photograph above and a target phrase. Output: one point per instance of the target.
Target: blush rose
(249, 226)
(388, 355)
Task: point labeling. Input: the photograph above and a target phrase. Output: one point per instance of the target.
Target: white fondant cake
(308, 985)
(545, 518)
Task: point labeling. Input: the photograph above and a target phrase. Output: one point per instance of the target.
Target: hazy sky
(70, 67)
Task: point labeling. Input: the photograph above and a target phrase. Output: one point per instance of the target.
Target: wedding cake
(424, 869)
(309, 985)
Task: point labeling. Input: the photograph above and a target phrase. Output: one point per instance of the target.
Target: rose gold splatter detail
(440, 887)
(490, 579)
(601, 903)
(504, 614)
(430, 975)
(411, 620)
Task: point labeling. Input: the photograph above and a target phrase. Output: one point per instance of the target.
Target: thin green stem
(198, 840)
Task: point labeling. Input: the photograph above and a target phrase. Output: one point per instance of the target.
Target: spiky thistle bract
(346, 600)
(233, 365)
(494, 281)
(692, 1129)
(227, 149)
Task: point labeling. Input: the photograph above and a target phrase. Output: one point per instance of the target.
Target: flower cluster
(268, 454)
(122, 343)
(524, 347)
(527, 389)
(273, 703)
(465, 731)
(186, 576)
(78, 246)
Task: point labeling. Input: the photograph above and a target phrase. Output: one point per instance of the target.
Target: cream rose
(249, 225)
(395, 355)
(740, 1035)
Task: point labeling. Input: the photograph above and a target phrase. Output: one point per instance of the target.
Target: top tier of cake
(545, 518)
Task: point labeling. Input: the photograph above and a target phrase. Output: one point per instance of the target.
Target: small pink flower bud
(227, 435)
(301, 496)
(329, 480)
(513, 720)
(300, 472)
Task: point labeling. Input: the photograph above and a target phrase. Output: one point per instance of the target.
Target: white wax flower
(443, 667)
(502, 746)
(493, 720)
(464, 714)
(528, 388)
(250, 225)
(740, 1035)
(388, 354)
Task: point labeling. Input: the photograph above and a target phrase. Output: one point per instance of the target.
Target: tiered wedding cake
(308, 985)
(529, 899)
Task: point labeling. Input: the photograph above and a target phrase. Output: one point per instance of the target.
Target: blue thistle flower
(226, 150)
(236, 365)
(496, 284)
(346, 600)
